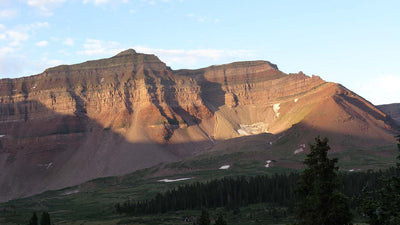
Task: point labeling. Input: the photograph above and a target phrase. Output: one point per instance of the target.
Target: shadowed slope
(116, 115)
(393, 110)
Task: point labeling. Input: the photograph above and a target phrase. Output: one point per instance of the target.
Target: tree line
(232, 192)
(228, 192)
(320, 193)
(44, 219)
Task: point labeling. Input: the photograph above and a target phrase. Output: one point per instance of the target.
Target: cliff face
(113, 116)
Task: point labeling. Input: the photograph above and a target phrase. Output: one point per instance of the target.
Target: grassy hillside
(93, 202)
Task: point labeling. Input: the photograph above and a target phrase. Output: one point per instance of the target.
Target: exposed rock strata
(113, 116)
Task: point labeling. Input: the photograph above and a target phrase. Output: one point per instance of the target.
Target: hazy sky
(355, 43)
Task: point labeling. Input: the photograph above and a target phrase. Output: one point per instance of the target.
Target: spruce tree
(34, 219)
(319, 200)
(220, 221)
(205, 218)
(382, 207)
(45, 219)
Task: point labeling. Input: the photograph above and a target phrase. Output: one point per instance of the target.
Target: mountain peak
(127, 52)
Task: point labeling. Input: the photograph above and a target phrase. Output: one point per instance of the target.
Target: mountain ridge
(113, 116)
(393, 110)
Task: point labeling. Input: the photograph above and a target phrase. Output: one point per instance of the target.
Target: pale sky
(355, 43)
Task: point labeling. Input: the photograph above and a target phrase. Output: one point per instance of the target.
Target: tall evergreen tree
(45, 219)
(220, 221)
(205, 218)
(319, 200)
(34, 219)
(382, 206)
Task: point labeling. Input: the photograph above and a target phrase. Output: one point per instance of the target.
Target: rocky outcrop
(112, 116)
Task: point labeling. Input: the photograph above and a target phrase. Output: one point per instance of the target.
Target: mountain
(106, 117)
(392, 110)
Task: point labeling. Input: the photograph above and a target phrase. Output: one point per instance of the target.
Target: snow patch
(351, 170)
(46, 165)
(242, 132)
(49, 165)
(224, 167)
(174, 180)
(268, 163)
(70, 192)
(209, 137)
(276, 108)
(299, 150)
(296, 99)
(102, 80)
(2, 135)
(255, 128)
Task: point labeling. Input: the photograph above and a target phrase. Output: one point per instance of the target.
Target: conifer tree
(205, 218)
(34, 219)
(319, 200)
(220, 221)
(45, 219)
(382, 207)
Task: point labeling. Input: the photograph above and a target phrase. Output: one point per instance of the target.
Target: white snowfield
(276, 108)
(301, 149)
(2, 135)
(255, 128)
(70, 192)
(224, 167)
(268, 163)
(174, 180)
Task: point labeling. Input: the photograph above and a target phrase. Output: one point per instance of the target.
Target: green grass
(94, 203)
(96, 199)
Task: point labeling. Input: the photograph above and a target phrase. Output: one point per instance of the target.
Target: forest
(319, 194)
(232, 192)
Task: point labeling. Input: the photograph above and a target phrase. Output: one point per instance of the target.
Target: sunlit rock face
(112, 116)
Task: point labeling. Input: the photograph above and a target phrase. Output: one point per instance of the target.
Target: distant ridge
(393, 110)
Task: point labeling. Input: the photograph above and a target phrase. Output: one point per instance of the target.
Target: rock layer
(112, 116)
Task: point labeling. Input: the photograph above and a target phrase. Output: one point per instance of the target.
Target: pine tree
(220, 221)
(33, 220)
(45, 219)
(382, 207)
(319, 201)
(205, 218)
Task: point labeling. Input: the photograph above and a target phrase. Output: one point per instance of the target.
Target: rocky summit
(113, 116)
